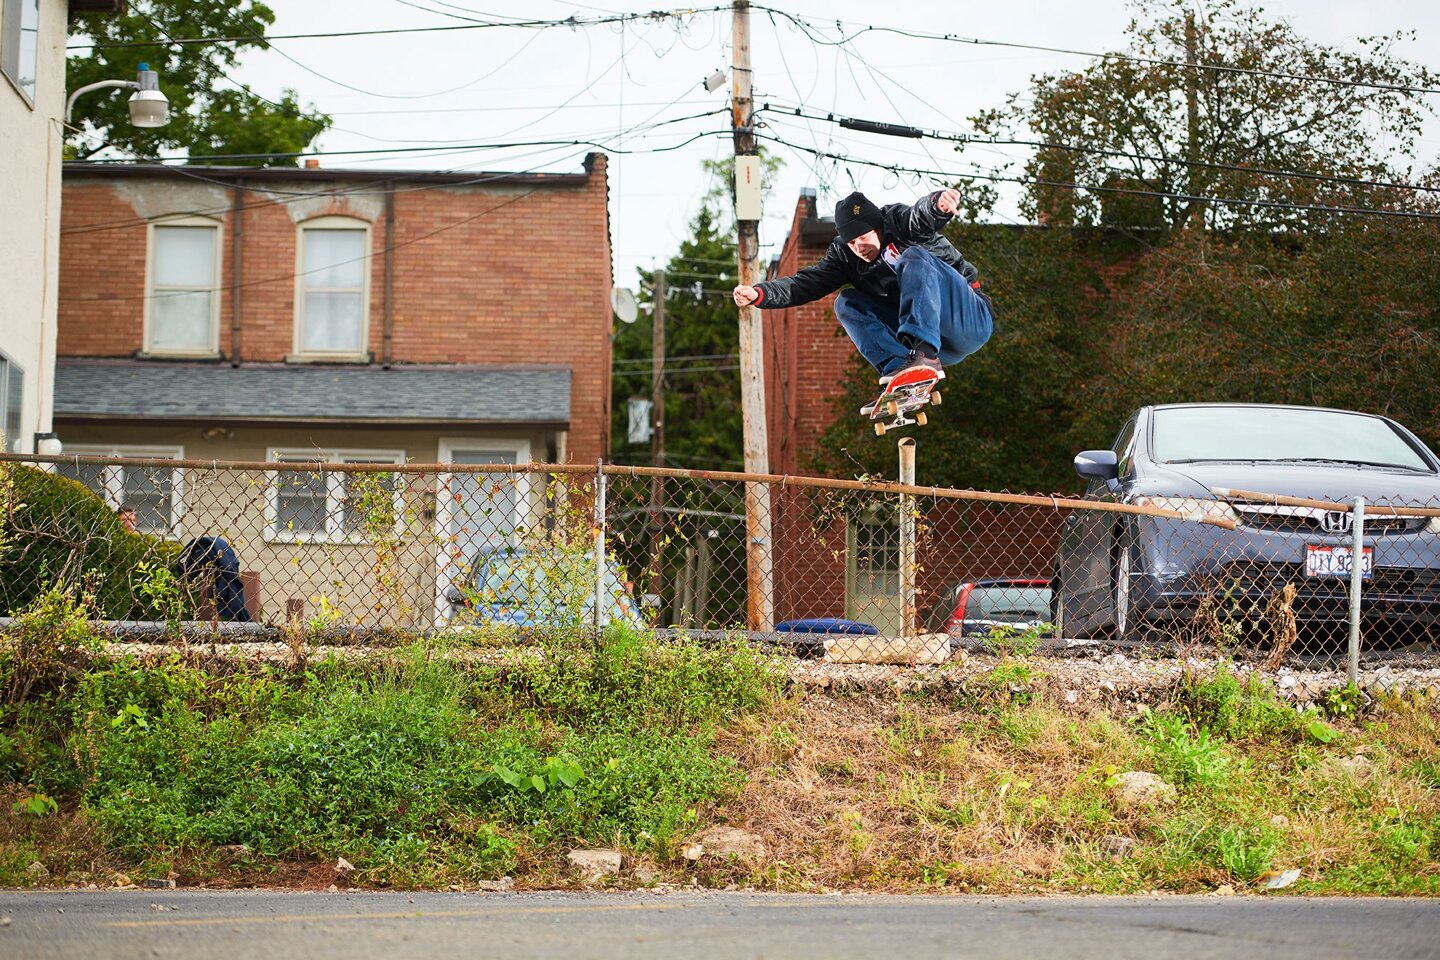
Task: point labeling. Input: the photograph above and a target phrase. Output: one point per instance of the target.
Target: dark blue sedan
(1127, 575)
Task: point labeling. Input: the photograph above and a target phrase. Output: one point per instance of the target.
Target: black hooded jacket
(904, 226)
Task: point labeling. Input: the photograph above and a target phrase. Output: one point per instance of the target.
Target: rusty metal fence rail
(890, 569)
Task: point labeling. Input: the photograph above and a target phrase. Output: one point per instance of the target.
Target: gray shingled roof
(193, 391)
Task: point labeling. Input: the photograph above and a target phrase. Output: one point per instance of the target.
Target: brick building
(301, 314)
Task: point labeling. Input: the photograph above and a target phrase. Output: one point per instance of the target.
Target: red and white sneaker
(919, 367)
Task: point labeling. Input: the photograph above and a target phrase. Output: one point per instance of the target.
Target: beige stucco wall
(392, 585)
(30, 219)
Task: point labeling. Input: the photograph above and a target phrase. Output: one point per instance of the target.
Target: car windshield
(1279, 434)
(1008, 604)
(549, 586)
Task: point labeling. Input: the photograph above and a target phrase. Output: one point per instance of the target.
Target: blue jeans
(937, 306)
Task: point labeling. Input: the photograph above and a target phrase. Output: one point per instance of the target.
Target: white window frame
(332, 222)
(114, 493)
(334, 531)
(10, 374)
(213, 349)
(8, 40)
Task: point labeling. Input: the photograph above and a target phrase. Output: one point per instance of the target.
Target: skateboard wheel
(892, 408)
(879, 429)
(935, 398)
(920, 418)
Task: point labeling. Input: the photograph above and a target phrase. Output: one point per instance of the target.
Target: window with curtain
(332, 288)
(183, 299)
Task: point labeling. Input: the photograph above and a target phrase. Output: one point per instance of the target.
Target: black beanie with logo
(856, 215)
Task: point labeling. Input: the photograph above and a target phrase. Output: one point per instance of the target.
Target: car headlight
(1193, 508)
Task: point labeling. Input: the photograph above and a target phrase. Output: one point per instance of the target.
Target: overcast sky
(607, 83)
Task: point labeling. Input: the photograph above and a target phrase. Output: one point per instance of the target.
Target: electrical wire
(1033, 181)
(364, 189)
(968, 139)
(571, 22)
(807, 25)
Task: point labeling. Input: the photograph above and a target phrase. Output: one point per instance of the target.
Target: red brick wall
(518, 274)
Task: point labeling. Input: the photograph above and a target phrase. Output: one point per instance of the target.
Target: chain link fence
(847, 569)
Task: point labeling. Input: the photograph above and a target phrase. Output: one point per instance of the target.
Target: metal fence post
(600, 604)
(1357, 575)
(907, 538)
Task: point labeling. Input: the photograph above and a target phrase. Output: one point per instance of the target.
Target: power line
(571, 22)
(300, 196)
(806, 26)
(945, 176)
(452, 149)
(961, 139)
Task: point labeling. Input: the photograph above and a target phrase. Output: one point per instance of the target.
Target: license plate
(1335, 562)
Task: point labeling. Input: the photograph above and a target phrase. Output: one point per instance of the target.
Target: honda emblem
(1336, 521)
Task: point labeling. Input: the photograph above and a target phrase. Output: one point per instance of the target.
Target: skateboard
(899, 400)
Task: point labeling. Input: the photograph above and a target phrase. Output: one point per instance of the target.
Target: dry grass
(900, 794)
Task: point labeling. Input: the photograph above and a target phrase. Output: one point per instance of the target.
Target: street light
(148, 106)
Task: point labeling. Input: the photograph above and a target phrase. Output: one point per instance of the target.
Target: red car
(969, 608)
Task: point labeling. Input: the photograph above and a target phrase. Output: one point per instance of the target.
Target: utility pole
(1192, 105)
(759, 606)
(657, 430)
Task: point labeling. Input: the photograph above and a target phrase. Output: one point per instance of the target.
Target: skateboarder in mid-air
(914, 304)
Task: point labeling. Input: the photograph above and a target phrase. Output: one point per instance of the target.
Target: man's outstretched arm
(931, 212)
(809, 284)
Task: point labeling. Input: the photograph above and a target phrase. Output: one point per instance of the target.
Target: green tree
(704, 429)
(702, 380)
(205, 118)
(1242, 121)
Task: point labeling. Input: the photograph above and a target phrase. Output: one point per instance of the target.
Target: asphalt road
(563, 926)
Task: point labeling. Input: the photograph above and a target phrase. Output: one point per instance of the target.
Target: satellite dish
(622, 301)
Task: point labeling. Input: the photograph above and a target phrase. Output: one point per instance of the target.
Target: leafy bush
(1183, 757)
(58, 533)
(419, 765)
(1240, 709)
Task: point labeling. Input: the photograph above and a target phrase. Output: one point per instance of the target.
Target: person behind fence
(212, 557)
(914, 304)
(202, 557)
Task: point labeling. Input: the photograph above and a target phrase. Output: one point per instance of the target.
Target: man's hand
(948, 201)
(744, 296)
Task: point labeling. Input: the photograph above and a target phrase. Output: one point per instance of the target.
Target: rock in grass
(931, 648)
(37, 871)
(1116, 848)
(159, 883)
(1138, 788)
(344, 867)
(592, 866)
(1359, 768)
(728, 843)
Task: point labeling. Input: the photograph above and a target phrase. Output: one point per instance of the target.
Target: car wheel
(1057, 607)
(1128, 627)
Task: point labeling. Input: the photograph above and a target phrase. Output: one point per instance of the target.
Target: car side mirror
(1097, 465)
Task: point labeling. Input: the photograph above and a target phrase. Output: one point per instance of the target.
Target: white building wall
(30, 144)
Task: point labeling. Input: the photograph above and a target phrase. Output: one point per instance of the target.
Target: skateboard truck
(897, 403)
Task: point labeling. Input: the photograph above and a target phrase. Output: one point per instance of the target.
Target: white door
(872, 587)
(476, 512)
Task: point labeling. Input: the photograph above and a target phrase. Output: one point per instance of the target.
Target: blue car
(1126, 575)
(538, 589)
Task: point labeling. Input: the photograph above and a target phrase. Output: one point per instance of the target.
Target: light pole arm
(70, 103)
